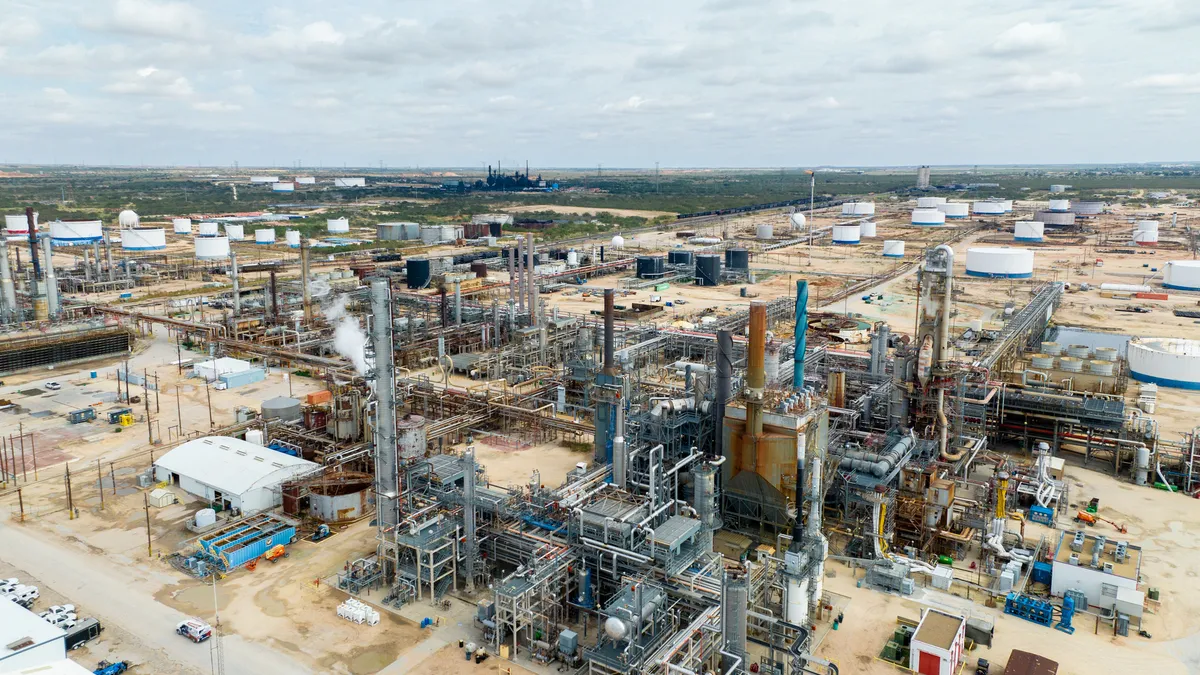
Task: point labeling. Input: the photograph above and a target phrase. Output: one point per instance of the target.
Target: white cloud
(632, 103)
(1180, 83)
(19, 29)
(1028, 38)
(150, 81)
(157, 19)
(216, 106)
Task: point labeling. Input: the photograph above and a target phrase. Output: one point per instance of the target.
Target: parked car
(23, 595)
(194, 630)
(53, 386)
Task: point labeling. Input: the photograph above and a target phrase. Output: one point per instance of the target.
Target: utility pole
(146, 400)
(70, 500)
(657, 185)
(178, 410)
(178, 353)
(146, 502)
(157, 408)
(100, 483)
(208, 394)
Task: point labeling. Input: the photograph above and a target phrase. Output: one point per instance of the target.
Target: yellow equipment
(1001, 494)
(126, 420)
(275, 553)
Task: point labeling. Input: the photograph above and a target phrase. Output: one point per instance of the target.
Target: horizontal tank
(19, 224)
(147, 239)
(867, 228)
(212, 248)
(1029, 230)
(1008, 263)
(893, 248)
(292, 237)
(1183, 275)
(987, 208)
(928, 217)
(930, 202)
(955, 210)
(69, 232)
(1060, 205)
(1055, 218)
(858, 209)
(235, 232)
(182, 225)
(264, 236)
(1169, 362)
(337, 225)
(283, 187)
(847, 235)
(211, 229)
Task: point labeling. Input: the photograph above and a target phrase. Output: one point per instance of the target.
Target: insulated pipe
(51, 280)
(233, 273)
(801, 334)
(7, 292)
(112, 269)
(470, 545)
(620, 459)
(609, 366)
(387, 476)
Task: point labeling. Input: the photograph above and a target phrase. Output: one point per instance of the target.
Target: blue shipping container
(256, 548)
(244, 377)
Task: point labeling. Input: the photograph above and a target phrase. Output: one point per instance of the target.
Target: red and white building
(938, 645)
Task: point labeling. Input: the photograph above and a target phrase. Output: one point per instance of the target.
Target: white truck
(194, 630)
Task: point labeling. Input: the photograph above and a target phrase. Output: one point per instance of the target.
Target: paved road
(124, 596)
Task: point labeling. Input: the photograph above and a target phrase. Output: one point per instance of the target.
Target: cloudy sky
(749, 83)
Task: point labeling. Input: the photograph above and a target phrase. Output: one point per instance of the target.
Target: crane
(1092, 518)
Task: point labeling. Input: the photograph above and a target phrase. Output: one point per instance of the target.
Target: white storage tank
(283, 187)
(1182, 275)
(1079, 351)
(71, 232)
(235, 232)
(430, 234)
(19, 224)
(206, 518)
(1106, 354)
(305, 180)
(1070, 364)
(847, 235)
(264, 236)
(1146, 237)
(255, 436)
(264, 179)
(764, 231)
(450, 233)
(1088, 208)
(572, 258)
(867, 228)
(1101, 367)
(1052, 349)
(1055, 219)
(147, 239)
(893, 248)
(987, 208)
(1002, 262)
(1060, 205)
(182, 225)
(209, 229)
(619, 242)
(1029, 230)
(955, 210)
(798, 219)
(1146, 226)
(350, 182)
(1041, 361)
(212, 248)
(930, 202)
(1169, 362)
(928, 217)
(337, 225)
(292, 237)
(858, 209)
(128, 218)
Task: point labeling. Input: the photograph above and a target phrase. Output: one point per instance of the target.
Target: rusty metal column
(609, 310)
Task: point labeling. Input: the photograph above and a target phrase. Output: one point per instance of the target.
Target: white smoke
(349, 340)
(319, 288)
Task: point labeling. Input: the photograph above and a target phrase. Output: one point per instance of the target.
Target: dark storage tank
(737, 259)
(419, 273)
(479, 268)
(650, 266)
(708, 269)
(679, 257)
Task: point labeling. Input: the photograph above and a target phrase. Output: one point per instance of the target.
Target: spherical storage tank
(147, 239)
(867, 228)
(930, 202)
(182, 225)
(18, 224)
(798, 219)
(292, 237)
(71, 232)
(234, 232)
(1170, 362)
(955, 210)
(858, 209)
(987, 208)
(1060, 205)
(1029, 230)
(1183, 275)
(1009, 263)
(708, 269)
(847, 235)
(618, 241)
(210, 229)
(212, 248)
(281, 407)
(264, 236)
(893, 248)
(928, 217)
(419, 272)
(337, 225)
(128, 218)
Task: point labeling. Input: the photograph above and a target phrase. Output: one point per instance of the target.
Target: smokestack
(51, 281)
(520, 274)
(609, 366)
(7, 292)
(512, 278)
(469, 552)
(801, 334)
(387, 477)
(531, 284)
(237, 294)
(304, 279)
(755, 365)
(274, 293)
(724, 377)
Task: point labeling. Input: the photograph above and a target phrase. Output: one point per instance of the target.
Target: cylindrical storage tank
(71, 232)
(264, 236)
(343, 500)
(1052, 349)
(282, 408)
(928, 217)
(1060, 205)
(572, 258)
(235, 232)
(292, 237)
(955, 210)
(1170, 362)
(1055, 219)
(858, 209)
(419, 272)
(650, 266)
(679, 257)
(410, 436)
(19, 224)
(306, 180)
(283, 187)
(708, 269)
(893, 248)
(389, 231)
(764, 231)
(149, 239)
(412, 231)
(337, 225)
(1008, 263)
(930, 202)
(987, 208)
(866, 228)
(1099, 367)
(847, 235)
(205, 518)
(1029, 230)
(479, 269)
(1146, 226)
(430, 234)
(1146, 237)
(182, 225)
(798, 219)
(1007, 204)
(1182, 275)
(1070, 364)
(1079, 351)
(1105, 354)
(737, 259)
(495, 230)
(1088, 208)
(212, 248)
(255, 436)
(209, 229)
(1043, 361)
(449, 233)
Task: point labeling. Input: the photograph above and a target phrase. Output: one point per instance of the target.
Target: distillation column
(387, 477)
